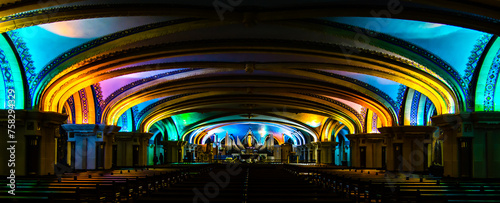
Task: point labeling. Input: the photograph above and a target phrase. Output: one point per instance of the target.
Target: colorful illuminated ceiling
(306, 70)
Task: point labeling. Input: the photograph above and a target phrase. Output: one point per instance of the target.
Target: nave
(143, 100)
(254, 183)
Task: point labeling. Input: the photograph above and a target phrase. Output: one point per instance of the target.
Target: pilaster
(470, 144)
(132, 148)
(174, 151)
(407, 147)
(366, 146)
(326, 152)
(93, 143)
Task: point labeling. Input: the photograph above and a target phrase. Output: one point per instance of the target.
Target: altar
(248, 148)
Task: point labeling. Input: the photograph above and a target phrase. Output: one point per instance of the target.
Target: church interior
(250, 101)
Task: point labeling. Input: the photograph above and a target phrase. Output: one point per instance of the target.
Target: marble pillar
(366, 150)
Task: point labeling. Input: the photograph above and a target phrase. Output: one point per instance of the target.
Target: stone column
(354, 147)
(174, 151)
(186, 150)
(193, 149)
(303, 153)
(124, 148)
(374, 151)
(311, 151)
(470, 144)
(108, 151)
(300, 152)
(448, 131)
(143, 147)
(412, 140)
(30, 125)
(372, 143)
(315, 150)
(306, 154)
(85, 137)
(326, 152)
(285, 152)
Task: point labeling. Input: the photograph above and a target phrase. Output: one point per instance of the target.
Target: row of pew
(248, 183)
(371, 185)
(259, 183)
(123, 185)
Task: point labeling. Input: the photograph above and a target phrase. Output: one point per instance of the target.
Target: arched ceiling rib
(260, 84)
(205, 127)
(114, 64)
(92, 76)
(370, 61)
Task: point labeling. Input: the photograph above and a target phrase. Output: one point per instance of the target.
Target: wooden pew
(357, 184)
(98, 186)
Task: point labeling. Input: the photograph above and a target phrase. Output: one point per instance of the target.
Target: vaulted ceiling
(187, 69)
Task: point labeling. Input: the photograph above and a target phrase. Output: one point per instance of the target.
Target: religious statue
(249, 138)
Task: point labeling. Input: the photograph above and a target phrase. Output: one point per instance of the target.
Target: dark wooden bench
(387, 187)
(93, 186)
